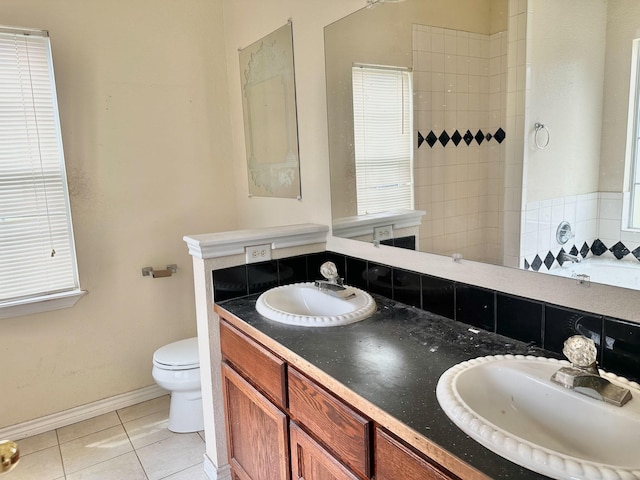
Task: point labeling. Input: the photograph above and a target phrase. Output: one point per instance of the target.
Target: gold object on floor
(9, 455)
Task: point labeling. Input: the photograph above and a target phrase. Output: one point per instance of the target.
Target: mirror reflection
(524, 121)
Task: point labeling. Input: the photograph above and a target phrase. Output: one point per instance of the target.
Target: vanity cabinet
(395, 460)
(257, 431)
(254, 389)
(340, 428)
(310, 461)
(263, 369)
(281, 424)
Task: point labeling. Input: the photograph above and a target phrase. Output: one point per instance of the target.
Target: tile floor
(129, 444)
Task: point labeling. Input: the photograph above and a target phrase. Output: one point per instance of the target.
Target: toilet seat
(180, 355)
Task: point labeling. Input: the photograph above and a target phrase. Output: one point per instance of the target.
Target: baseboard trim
(216, 473)
(78, 414)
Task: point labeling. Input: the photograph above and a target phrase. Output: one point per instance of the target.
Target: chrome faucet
(583, 375)
(333, 285)
(567, 257)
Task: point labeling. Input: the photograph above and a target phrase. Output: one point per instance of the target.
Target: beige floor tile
(95, 448)
(171, 455)
(42, 465)
(124, 467)
(150, 429)
(194, 473)
(36, 443)
(87, 427)
(204, 439)
(145, 408)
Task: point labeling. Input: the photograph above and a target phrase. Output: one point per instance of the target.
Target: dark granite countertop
(394, 360)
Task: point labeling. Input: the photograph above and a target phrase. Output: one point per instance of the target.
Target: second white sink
(509, 405)
(303, 304)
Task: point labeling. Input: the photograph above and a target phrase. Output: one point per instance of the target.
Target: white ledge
(44, 303)
(212, 245)
(349, 227)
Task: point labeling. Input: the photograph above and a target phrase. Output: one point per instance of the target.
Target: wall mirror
(269, 111)
(523, 121)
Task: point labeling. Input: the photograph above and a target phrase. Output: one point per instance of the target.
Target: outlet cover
(258, 253)
(383, 233)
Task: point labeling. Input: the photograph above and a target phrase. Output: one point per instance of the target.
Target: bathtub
(619, 273)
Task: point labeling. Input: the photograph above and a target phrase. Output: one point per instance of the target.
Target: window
(37, 253)
(383, 135)
(634, 140)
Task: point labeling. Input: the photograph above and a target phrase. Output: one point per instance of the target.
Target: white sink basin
(305, 305)
(509, 405)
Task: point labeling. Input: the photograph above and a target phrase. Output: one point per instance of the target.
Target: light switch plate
(258, 253)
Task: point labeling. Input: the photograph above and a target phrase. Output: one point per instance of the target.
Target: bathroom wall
(460, 82)
(246, 21)
(587, 190)
(566, 50)
(142, 93)
(622, 28)
(371, 41)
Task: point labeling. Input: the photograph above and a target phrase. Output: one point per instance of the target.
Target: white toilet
(176, 367)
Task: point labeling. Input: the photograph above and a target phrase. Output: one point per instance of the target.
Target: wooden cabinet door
(309, 461)
(257, 432)
(393, 461)
(335, 424)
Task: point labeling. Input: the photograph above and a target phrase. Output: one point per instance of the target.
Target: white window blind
(37, 254)
(383, 134)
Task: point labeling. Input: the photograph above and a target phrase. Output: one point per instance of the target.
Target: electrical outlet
(383, 233)
(258, 253)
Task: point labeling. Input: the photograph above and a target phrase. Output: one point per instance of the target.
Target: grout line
(92, 433)
(135, 451)
(64, 470)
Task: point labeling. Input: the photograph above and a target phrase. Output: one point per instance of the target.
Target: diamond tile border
(597, 248)
(457, 138)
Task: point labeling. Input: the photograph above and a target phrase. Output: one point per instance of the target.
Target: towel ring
(540, 127)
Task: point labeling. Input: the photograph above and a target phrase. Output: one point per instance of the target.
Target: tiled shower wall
(596, 223)
(460, 82)
(516, 154)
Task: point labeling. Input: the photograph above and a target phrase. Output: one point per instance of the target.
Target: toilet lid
(180, 355)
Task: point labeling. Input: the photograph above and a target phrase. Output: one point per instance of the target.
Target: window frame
(632, 196)
(406, 119)
(59, 296)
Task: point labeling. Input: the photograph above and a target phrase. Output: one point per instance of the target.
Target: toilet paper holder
(150, 272)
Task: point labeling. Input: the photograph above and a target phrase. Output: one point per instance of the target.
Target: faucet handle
(581, 351)
(329, 271)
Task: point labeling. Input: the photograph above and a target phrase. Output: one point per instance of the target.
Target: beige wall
(246, 21)
(144, 110)
(383, 36)
(566, 95)
(623, 26)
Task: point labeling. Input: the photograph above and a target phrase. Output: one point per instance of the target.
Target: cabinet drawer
(342, 430)
(309, 461)
(394, 460)
(257, 364)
